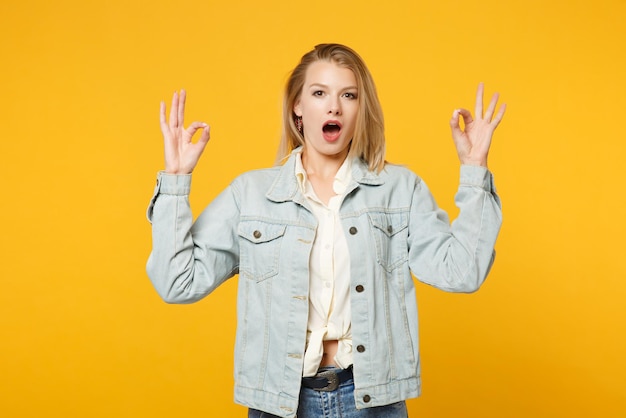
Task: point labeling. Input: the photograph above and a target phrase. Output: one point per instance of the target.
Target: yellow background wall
(82, 333)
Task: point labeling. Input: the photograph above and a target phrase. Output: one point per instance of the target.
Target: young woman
(325, 244)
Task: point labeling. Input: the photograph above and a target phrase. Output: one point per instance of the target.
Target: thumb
(206, 134)
(455, 123)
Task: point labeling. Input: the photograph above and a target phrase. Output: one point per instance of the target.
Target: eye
(318, 93)
(350, 95)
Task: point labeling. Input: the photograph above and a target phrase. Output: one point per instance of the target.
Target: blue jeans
(337, 404)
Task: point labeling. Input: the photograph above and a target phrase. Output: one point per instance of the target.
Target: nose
(335, 107)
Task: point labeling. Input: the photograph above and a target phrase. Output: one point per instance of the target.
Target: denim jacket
(261, 228)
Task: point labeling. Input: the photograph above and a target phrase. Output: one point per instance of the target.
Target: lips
(331, 130)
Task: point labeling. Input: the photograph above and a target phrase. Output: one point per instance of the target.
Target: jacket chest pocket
(390, 237)
(259, 247)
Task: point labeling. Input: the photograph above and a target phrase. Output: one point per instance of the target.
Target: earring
(298, 122)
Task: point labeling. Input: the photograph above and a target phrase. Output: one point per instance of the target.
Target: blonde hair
(368, 142)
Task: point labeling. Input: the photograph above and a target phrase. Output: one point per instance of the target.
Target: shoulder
(257, 178)
(395, 174)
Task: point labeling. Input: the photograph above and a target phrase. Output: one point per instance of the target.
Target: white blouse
(329, 275)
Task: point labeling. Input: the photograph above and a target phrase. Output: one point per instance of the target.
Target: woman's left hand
(473, 142)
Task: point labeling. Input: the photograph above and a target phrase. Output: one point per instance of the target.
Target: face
(328, 106)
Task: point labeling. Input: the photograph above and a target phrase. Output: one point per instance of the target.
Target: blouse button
(353, 230)
(257, 234)
(359, 288)
(367, 398)
(360, 348)
(390, 229)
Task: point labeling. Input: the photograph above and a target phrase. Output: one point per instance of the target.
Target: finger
(498, 118)
(454, 120)
(204, 138)
(193, 128)
(454, 124)
(478, 108)
(174, 111)
(162, 117)
(181, 107)
(466, 115)
(206, 135)
(492, 107)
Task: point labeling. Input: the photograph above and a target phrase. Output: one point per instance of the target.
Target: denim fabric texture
(261, 228)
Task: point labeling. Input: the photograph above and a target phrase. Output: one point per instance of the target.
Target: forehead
(329, 73)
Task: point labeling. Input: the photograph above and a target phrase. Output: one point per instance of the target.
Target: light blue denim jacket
(261, 227)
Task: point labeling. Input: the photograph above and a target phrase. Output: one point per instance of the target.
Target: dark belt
(327, 380)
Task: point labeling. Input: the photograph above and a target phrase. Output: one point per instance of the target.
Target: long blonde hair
(368, 142)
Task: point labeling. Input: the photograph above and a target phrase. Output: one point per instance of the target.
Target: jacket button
(366, 398)
(390, 229)
(360, 348)
(359, 288)
(353, 230)
(257, 234)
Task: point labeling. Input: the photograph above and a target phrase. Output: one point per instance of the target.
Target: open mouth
(331, 130)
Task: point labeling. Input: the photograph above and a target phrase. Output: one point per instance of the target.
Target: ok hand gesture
(473, 142)
(181, 155)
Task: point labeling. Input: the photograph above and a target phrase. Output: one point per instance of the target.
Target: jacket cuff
(169, 184)
(477, 176)
(174, 184)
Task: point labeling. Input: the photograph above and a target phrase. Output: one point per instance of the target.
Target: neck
(322, 167)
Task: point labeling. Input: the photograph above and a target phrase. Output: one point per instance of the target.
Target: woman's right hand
(181, 155)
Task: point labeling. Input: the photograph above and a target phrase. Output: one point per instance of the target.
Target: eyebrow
(325, 86)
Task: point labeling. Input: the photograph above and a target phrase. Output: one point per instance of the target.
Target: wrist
(475, 162)
(176, 171)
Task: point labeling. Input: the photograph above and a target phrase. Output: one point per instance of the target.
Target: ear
(297, 109)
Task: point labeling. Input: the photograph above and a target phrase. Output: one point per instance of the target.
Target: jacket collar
(285, 186)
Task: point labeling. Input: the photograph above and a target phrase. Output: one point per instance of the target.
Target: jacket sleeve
(189, 260)
(457, 257)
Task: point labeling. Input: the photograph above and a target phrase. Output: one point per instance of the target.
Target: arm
(459, 257)
(188, 261)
